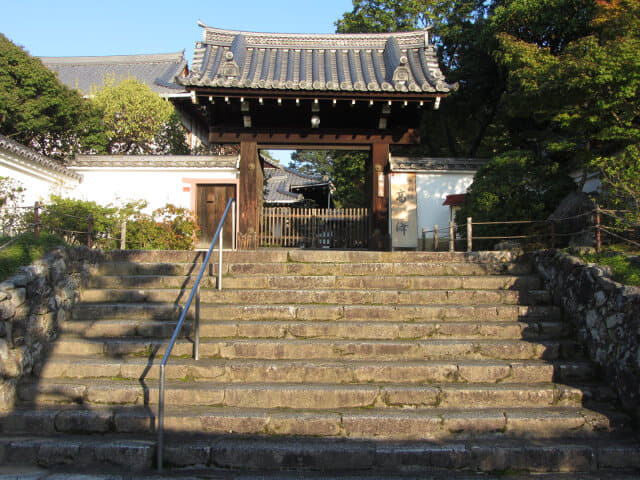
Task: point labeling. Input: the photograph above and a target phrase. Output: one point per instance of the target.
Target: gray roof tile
(416, 164)
(159, 71)
(390, 62)
(281, 180)
(36, 158)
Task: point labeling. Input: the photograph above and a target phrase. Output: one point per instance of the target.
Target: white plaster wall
(37, 187)
(432, 190)
(158, 187)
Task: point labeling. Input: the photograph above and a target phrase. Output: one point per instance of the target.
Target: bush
(514, 186)
(69, 218)
(24, 250)
(168, 228)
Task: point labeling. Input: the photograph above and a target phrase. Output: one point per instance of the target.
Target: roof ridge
(104, 59)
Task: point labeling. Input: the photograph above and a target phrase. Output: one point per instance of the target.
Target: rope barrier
(608, 232)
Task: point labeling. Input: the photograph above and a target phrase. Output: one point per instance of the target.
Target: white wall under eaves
(432, 190)
(39, 182)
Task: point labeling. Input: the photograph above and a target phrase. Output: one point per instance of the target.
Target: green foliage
(134, 116)
(345, 170)
(514, 186)
(383, 16)
(25, 250)
(172, 138)
(69, 218)
(168, 228)
(623, 269)
(37, 110)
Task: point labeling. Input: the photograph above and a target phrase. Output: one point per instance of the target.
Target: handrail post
(220, 259)
(469, 234)
(36, 219)
(160, 419)
(196, 347)
(452, 237)
(233, 225)
(424, 238)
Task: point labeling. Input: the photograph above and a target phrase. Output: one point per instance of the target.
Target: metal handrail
(195, 293)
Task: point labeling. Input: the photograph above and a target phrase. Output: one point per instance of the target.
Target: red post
(36, 219)
(598, 230)
(89, 230)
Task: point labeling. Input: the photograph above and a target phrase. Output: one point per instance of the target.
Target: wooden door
(211, 200)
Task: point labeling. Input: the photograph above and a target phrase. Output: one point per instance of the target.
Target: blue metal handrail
(195, 293)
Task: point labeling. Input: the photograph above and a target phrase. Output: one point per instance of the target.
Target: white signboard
(404, 218)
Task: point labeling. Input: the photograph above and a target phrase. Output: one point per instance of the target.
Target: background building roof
(281, 182)
(384, 62)
(159, 71)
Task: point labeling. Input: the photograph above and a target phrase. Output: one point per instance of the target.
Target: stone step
(300, 371)
(308, 396)
(314, 269)
(292, 311)
(277, 457)
(320, 296)
(319, 329)
(372, 424)
(311, 282)
(277, 349)
(280, 255)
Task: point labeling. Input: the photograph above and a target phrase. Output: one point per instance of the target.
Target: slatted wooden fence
(314, 227)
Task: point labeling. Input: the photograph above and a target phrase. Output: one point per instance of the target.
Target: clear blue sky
(124, 27)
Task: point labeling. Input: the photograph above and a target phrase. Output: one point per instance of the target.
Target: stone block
(134, 455)
(84, 421)
(57, 453)
(186, 455)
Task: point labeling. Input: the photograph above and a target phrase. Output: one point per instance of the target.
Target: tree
(345, 170)
(589, 93)
(38, 111)
(135, 117)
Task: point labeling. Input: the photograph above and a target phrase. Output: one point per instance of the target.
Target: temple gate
(322, 91)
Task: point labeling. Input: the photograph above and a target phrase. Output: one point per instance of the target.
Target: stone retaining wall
(606, 315)
(32, 304)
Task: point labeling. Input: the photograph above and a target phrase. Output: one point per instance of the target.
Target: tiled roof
(378, 62)
(159, 71)
(411, 164)
(281, 180)
(155, 161)
(36, 158)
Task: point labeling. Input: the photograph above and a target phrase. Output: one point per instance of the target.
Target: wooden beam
(378, 192)
(250, 194)
(316, 137)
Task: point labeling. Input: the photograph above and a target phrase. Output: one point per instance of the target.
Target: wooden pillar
(250, 195)
(378, 192)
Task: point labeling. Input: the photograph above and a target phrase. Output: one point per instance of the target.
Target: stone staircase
(321, 361)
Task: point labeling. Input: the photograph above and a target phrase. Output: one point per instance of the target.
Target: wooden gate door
(211, 200)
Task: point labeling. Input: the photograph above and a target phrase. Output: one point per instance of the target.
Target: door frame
(193, 188)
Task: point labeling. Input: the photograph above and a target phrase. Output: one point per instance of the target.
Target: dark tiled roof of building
(159, 71)
(378, 62)
(411, 164)
(281, 180)
(155, 161)
(36, 158)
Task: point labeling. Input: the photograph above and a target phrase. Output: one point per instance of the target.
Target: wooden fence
(346, 228)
